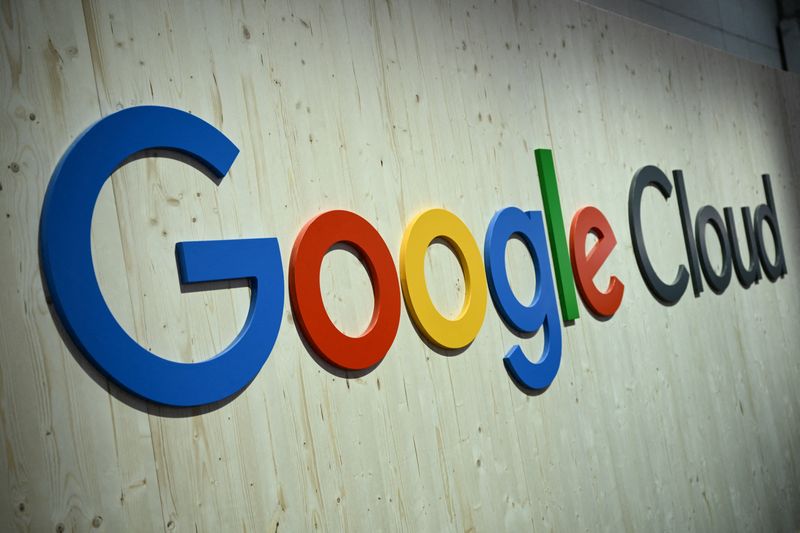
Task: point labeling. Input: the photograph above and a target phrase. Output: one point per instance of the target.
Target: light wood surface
(681, 418)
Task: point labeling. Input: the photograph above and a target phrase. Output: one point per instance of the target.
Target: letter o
(314, 241)
(420, 233)
(707, 215)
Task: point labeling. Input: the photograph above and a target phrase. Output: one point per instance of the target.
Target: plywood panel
(74, 457)
(667, 418)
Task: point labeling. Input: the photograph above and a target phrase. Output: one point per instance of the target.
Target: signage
(69, 273)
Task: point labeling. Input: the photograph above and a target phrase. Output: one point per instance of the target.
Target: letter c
(65, 245)
(667, 293)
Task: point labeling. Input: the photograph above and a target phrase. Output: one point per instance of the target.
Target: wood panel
(664, 418)
(74, 455)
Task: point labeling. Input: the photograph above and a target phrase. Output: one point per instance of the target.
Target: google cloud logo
(65, 246)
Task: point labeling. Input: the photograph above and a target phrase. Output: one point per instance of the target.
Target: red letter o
(314, 241)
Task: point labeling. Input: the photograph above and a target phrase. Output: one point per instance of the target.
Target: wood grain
(661, 418)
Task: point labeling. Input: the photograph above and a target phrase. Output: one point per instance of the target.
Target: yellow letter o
(420, 232)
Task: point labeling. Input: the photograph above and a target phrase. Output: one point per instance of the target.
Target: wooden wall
(662, 418)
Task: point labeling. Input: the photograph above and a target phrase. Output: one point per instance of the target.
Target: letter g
(65, 243)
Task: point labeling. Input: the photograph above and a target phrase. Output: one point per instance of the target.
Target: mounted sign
(65, 240)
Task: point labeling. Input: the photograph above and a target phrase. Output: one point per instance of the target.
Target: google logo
(72, 283)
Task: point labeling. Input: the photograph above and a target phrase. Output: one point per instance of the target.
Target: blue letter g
(68, 270)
